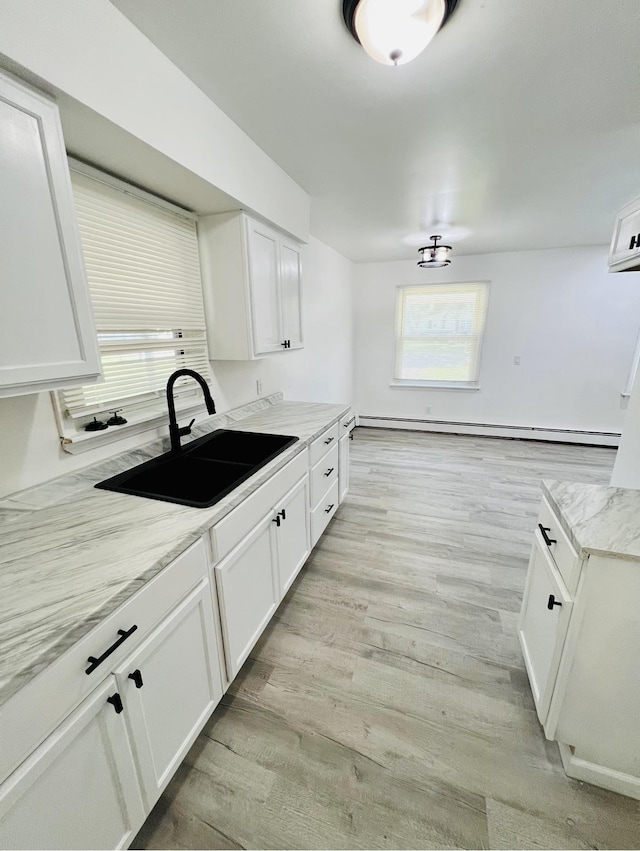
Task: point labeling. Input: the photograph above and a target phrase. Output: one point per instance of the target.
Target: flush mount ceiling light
(434, 256)
(394, 32)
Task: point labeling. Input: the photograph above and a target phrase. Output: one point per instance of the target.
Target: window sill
(77, 442)
(433, 385)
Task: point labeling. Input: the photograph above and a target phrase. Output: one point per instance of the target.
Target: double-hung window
(439, 331)
(142, 264)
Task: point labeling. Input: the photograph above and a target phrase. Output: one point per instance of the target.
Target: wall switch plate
(516, 360)
(259, 387)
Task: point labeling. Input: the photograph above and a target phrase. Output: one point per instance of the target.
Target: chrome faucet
(175, 432)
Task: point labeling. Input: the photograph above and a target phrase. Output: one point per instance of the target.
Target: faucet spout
(175, 432)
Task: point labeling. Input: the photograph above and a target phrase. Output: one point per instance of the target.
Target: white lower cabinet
(579, 632)
(79, 789)
(255, 576)
(543, 625)
(292, 535)
(248, 595)
(169, 687)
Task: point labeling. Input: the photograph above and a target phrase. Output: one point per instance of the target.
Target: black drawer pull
(346, 425)
(327, 510)
(329, 440)
(116, 701)
(124, 634)
(283, 514)
(543, 531)
(276, 520)
(329, 471)
(350, 435)
(136, 676)
(551, 602)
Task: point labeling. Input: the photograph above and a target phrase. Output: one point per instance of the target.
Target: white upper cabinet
(251, 278)
(624, 255)
(47, 335)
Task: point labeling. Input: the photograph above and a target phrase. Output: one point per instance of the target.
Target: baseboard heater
(555, 435)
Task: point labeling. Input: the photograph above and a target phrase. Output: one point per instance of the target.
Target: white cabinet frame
(47, 334)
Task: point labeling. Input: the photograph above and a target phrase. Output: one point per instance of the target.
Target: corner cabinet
(251, 277)
(624, 254)
(47, 335)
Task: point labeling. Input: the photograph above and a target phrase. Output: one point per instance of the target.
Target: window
(439, 331)
(143, 269)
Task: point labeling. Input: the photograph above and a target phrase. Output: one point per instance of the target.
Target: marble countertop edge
(598, 520)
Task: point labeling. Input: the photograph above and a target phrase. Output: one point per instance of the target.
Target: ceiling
(517, 128)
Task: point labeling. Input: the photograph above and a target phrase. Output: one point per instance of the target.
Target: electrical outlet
(516, 360)
(259, 387)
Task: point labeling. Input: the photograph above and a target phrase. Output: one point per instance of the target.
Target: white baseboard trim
(598, 775)
(556, 435)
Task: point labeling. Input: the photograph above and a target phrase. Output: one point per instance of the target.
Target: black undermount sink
(202, 472)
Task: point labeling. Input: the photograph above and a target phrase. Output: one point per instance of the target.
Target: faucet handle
(186, 429)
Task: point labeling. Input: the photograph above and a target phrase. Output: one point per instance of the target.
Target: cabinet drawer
(323, 512)
(226, 534)
(28, 717)
(561, 551)
(324, 474)
(347, 422)
(322, 444)
(544, 621)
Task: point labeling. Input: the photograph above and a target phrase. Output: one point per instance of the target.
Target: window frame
(143, 413)
(435, 384)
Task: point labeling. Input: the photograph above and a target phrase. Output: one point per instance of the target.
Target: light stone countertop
(71, 554)
(598, 520)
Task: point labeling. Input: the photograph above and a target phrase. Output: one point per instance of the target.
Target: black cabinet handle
(329, 471)
(116, 701)
(329, 440)
(283, 514)
(136, 676)
(284, 344)
(276, 520)
(551, 602)
(543, 531)
(327, 510)
(350, 435)
(124, 634)
(635, 242)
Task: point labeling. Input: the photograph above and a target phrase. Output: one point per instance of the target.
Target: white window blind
(144, 277)
(439, 331)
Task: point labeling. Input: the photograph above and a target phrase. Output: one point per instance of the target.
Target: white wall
(626, 470)
(572, 323)
(91, 52)
(321, 372)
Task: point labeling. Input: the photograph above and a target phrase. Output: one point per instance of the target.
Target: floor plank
(386, 705)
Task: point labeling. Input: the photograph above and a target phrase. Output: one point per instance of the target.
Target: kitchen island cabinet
(579, 630)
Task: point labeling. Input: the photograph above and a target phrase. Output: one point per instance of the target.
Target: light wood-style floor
(386, 706)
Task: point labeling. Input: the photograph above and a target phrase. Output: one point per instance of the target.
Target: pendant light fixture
(394, 32)
(434, 256)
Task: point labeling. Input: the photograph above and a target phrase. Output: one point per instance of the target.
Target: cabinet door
(625, 246)
(542, 630)
(292, 534)
(47, 336)
(291, 293)
(262, 248)
(169, 687)
(248, 593)
(343, 466)
(79, 789)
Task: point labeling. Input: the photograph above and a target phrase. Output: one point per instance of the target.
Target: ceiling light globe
(393, 32)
